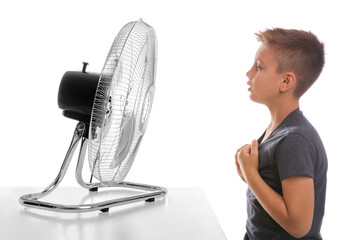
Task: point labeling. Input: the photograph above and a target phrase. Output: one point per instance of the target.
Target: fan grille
(116, 126)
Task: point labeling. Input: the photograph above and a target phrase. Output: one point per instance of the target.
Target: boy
(285, 169)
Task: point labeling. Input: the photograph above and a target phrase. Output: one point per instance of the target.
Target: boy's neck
(281, 111)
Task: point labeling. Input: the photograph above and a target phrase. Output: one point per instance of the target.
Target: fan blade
(125, 140)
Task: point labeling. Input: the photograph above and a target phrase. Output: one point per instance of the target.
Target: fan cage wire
(127, 76)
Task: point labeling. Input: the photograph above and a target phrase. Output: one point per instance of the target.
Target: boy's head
(295, 56)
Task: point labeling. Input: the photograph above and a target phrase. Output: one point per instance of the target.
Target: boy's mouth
(248, 83)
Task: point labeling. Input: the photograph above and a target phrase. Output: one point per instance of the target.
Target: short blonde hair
(298, 51)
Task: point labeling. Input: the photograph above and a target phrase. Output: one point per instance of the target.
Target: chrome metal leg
(31, 200)
(28, 199)
(79, 167)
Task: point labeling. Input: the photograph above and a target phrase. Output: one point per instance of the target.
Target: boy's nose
(248, 74)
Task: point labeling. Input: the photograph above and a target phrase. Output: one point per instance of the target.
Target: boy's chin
(254, 99)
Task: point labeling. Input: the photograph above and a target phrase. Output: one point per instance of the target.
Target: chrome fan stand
(31, 200)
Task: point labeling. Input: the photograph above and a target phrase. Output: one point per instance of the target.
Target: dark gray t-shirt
(293, 148)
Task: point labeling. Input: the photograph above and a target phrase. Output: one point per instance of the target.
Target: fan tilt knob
(84, 66)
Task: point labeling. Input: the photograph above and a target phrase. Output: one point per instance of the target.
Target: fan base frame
(32, 200)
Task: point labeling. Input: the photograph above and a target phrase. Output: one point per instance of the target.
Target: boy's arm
(294, 210)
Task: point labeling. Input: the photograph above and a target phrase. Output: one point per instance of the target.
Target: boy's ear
(288, 82)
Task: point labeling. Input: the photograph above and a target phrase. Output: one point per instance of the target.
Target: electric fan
(113, 110)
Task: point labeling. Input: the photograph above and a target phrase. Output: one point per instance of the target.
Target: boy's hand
(247, 160)
(237, 163)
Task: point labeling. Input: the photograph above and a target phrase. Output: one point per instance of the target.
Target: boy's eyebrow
(260, 60)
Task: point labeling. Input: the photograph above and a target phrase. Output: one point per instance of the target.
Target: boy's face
(264, 81)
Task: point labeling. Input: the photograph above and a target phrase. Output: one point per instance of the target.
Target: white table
(183, 214)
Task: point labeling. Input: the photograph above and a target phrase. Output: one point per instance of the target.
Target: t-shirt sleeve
(293, 157)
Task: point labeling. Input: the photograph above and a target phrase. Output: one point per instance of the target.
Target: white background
(201, 112)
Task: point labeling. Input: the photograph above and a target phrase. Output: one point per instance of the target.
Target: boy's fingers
(238, 151)
(241, 148)
(254, 146)
(247, 148)
(239, 171)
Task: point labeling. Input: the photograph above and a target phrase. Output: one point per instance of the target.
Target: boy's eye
(257, 67)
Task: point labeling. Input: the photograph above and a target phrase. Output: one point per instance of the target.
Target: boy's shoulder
(294, 131)
(296, 124)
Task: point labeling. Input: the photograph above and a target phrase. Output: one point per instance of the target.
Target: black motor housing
(76, 94)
